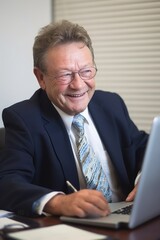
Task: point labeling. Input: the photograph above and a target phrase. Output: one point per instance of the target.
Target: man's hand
(83, 203)
(132, 194)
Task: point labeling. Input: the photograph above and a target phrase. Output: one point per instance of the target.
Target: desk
(148, 231)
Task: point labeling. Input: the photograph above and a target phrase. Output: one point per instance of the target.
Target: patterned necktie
(92, 169)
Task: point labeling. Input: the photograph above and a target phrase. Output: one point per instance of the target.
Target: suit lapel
(106, 128)
(60, 141)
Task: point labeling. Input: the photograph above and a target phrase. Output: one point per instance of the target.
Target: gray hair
(58, 33)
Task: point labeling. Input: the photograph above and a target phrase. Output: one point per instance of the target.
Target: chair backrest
(2, 137)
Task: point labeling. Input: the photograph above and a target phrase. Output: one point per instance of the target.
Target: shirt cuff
(38, 205)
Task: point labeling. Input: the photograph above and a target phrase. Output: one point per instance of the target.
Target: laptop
(146, 204)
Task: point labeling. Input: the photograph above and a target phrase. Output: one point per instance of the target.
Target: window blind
(126, 41)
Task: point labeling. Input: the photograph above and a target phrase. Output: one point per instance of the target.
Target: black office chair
(2, 138)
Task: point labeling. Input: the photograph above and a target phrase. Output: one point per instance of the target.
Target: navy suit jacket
(38, 157)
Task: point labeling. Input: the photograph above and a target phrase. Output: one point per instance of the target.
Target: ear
(40, 77)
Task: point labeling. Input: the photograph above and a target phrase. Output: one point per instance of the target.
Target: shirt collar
(67, 119)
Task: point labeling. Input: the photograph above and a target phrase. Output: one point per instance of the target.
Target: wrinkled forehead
(69, 55)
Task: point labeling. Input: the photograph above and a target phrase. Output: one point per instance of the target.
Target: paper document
(60, 232)
(7, 222)
(4, 213)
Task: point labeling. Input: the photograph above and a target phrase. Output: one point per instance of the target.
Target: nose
(76, 82)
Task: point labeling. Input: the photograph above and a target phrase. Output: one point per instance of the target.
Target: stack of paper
(4, 213)
(10, 223)
(58, 232)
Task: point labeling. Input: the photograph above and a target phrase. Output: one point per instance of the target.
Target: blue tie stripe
(91, 167)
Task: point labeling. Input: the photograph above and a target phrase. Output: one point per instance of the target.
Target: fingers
(92, 204)
(132, 194)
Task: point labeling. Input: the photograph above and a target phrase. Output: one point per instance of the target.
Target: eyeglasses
(66, 77)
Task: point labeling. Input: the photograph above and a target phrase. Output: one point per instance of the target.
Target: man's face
(62, 60)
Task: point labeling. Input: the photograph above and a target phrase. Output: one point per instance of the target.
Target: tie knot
(78, 123)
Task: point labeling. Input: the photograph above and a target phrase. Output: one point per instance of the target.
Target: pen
(71, 186)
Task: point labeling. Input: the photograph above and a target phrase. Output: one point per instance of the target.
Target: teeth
(76, 95)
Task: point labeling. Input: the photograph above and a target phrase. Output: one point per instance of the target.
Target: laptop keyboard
(125, 210)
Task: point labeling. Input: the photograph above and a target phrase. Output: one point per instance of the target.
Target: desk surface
(148, 231)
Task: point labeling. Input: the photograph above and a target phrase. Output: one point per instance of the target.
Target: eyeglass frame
(71, 74)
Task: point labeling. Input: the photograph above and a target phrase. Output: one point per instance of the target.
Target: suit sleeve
(17, 167)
